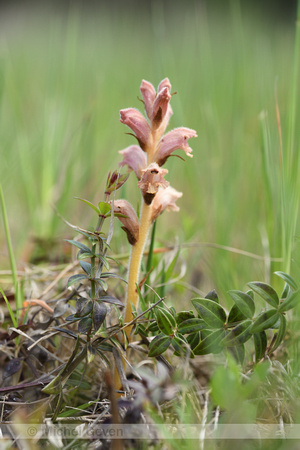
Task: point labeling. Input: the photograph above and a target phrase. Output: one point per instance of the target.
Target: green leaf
(265, 320)
(235, 315)
(191, 326)
(244, 302)
(85, 325)
(84, 255)
(76, 279)
(211, 344)
(89, 204)
(86, 267)
(165, 321)
(159, 345)
(181, 346)
(238, 335)
(238, 352)
(280, 333)
(104, 208)
(153, 327)
(265, 291)
(210, 311)
(112, 300)
(212, 295)
(184, 315)
(79, 245)
(290, 302)
(288, 279)
(193, 339)
(260, 344)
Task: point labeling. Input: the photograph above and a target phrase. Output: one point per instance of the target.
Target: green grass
(65, 77)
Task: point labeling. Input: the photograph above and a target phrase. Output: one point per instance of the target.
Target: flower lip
(135, 159)
(165, 200)
(174, 140)
(151, 180)
(135, 120)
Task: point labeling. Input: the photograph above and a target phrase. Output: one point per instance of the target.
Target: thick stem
(135, 264)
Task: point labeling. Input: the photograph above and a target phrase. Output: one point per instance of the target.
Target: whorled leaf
(238, 352)
(280, 334)
(260, 345)
(85, 308)
(165, 321)
(210, 311)
(264, 321)
(290, 302)
(85, 325)
(159, 345)
(211, 344)
(193, 339)
(244, 302)
(238, 335)
(86, 267)
(112, 300)
(265, 291)
(191, 326)
(76, 279)
(79, 245)
(212, 295)
(235, 315)
(181, 346)
(184, 315)
(99, 314)
(288, 279)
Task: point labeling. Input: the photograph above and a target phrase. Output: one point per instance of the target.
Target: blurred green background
(66, 69)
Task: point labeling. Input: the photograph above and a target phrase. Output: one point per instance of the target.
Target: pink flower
(174, 140)
(135, 120)
(135, 159)
(165, 199)
(152, 178)
(130, 222)
(157, 105)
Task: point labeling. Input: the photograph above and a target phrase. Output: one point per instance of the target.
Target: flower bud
(130, 221)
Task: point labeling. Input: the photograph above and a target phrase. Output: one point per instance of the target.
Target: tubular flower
(157, 105)
(165, 199)
(135, 159)
(135, 120)
(130, 222)
(152, 178)
(174, 140)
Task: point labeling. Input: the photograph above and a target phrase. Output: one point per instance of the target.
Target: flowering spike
(174, 140)
(135, 120)
(165, 199)
(135, 159)
(152, 178)
(130, 222)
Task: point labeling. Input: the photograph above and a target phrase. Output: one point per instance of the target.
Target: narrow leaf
(288, 279)
(79, 245)
(159, 345)
(191, 326)
(112, 300)
(211, 344)
(99, 314)
(264, 321)
(260, 344)
(290, 302)
(235, 315)
(76, 279)
(181, 346)
(238, 335)
(244, 302)
(210, 311)
(165, 321)
(86, 267)
(280, 333)
(89, 204)
(266, 292)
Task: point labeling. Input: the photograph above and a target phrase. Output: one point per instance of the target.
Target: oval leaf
(99, 314)
(181, 346)
(280, 333)
(264, 321)
(210, 311)
(288, 279)
(184, 315)
(290, 302)
(212, 295)
(238, 335)
(191, 326)
(265, 291)
(85, 308)
(165, 321)
(260, 344)
(244, 302)
(85, 325)
(76, 279)
(104, 208)
(235, 315)
(159, 345)
(211, 344)
(193, 339)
